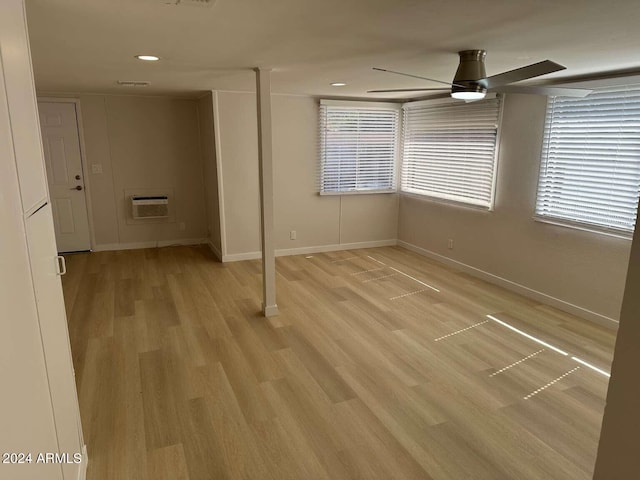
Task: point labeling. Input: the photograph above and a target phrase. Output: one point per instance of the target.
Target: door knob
(78, 187)
(78, 177)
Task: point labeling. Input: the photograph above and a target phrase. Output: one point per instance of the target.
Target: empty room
(319, 240)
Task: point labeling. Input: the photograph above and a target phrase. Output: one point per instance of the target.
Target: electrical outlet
(182, 226)
(450, 244)
(293, 235)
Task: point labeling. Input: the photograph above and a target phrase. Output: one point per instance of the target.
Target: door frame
(83, 160)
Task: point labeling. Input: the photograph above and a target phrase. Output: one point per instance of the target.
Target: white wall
(582, 268)
(209, 158)
(238, 147)
(327, 221)
(146, 144)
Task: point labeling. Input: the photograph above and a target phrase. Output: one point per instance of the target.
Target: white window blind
(358, 148)
(449, 150)
(590, 168)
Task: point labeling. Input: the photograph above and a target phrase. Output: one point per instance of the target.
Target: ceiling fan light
(462, 95)
(148, 58)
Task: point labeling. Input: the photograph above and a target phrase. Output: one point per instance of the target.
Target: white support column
(265, 158)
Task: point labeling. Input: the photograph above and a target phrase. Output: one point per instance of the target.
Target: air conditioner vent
(190, 3)
(133, 83)
(197, 3)
(156, 206)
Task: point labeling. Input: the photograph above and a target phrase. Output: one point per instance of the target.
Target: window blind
(590, 168)
(357, 148)
(449, 150)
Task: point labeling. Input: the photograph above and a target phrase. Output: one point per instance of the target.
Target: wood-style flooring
(381, 365)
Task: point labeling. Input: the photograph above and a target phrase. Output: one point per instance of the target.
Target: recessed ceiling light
(338, 84)
(148, 58)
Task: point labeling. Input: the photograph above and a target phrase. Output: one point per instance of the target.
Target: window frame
(577, 224)
(361, 105)
(451, 200)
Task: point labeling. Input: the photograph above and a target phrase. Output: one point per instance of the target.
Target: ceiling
(87, 45)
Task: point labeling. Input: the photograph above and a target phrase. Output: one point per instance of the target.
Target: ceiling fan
(471, 82)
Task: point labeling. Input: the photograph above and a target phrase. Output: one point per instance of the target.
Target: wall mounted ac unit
(156, 206)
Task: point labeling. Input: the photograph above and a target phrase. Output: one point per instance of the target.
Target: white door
(26, 420)
(46, 270)
(61, 142)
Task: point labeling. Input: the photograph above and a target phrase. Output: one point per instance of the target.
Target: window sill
(449, 202)
(584, 227)
(358, 192)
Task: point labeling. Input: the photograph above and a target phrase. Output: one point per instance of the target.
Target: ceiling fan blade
(523, 73)
(541, 90)
(409, 90)
(414, 76)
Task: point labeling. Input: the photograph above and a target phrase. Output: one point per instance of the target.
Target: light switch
(96, 168)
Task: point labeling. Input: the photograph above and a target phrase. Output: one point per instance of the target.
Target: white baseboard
(215, 250)
(238, 257)
(106, 247)
(516, 287)
(284, 252)
(270, 310)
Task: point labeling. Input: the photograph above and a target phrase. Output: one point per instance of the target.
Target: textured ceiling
(87, 45)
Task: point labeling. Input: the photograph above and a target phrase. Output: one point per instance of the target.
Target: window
(450, 150)
(590, 168)
(358, 147)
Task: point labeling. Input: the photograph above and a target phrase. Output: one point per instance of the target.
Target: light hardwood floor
(367, 373)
